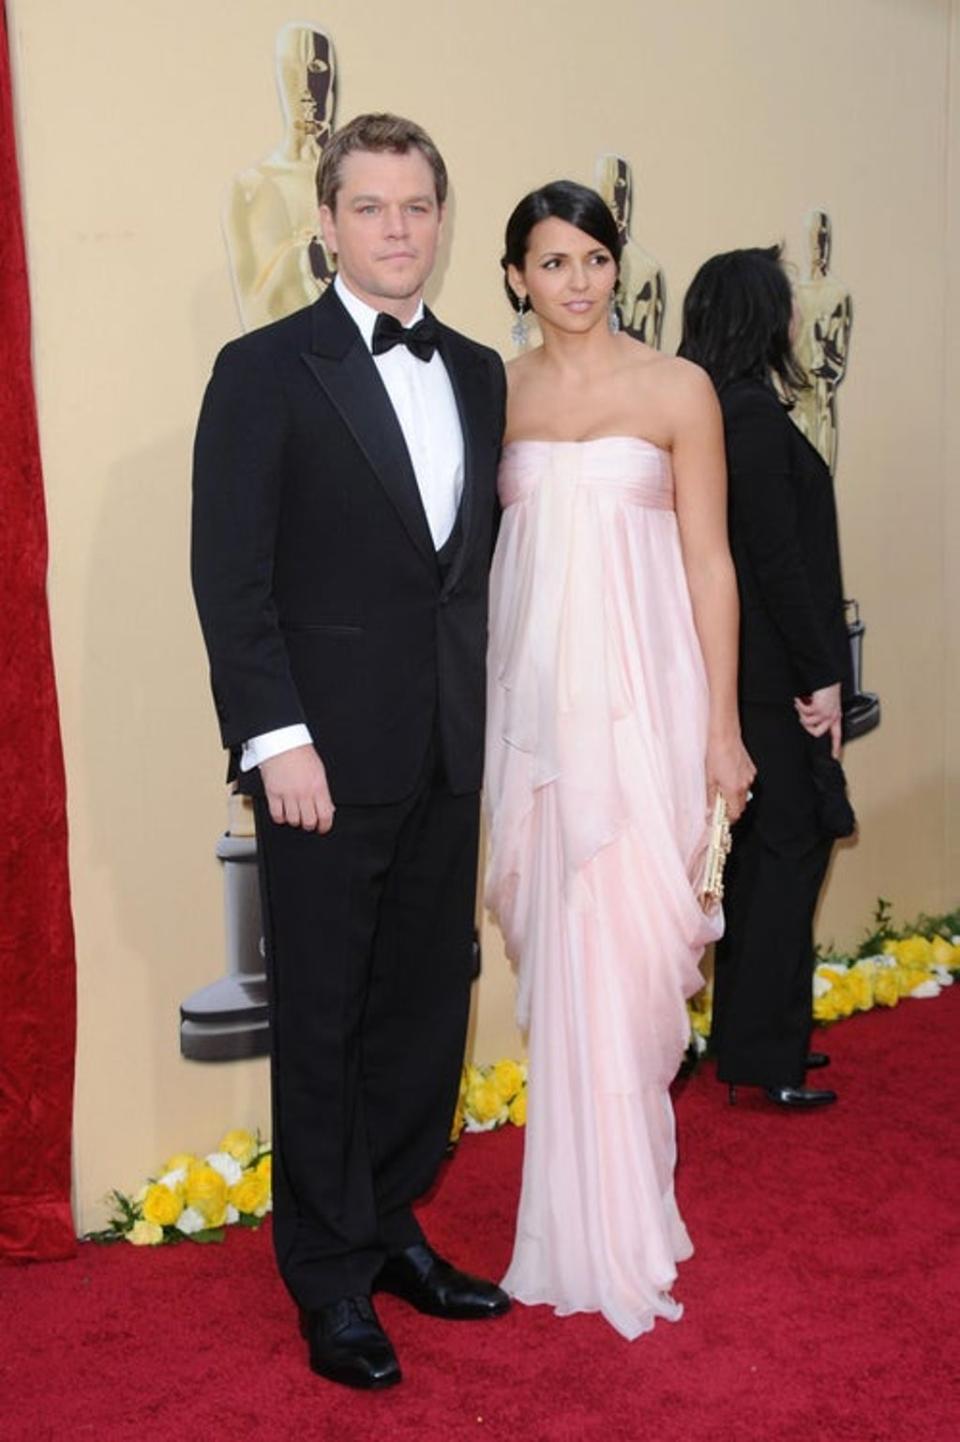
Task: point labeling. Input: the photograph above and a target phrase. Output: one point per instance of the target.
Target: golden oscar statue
(822, 342)
(641, 293)
(277, 260)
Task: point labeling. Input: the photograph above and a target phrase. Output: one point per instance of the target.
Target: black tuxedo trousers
(370, 961)
(763, 977)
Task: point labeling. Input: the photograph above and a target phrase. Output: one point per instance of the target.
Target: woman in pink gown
(611, 721)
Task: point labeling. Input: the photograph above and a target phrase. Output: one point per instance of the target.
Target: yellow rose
(265, 1168)
(944, 954)
(701, 1022)
(458, 1123)
(240, 1145)
(161, 1206)
(860, 980)
(485, 1104)
(507, 1077)
(914, 951)
(840, 1000)
(251, 1193)
(207, 1192)
(910, 977)
(145, 1234)
(823, 1009)
(886, 989)
(183, 1161)
(518, 1109)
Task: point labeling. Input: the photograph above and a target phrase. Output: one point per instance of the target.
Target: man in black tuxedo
(344, 515)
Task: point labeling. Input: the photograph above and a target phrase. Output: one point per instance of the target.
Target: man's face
(385, 228)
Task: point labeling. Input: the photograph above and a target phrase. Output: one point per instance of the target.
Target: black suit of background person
(328, 603)
(794, 662)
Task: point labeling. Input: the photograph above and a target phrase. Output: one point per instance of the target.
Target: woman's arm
(766, 523)
(701, 499)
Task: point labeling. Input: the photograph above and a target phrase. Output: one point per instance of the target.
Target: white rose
(821, 984)
(944, 975)
(470, 1125)
(190, 1221)
(173, 1180)
(228, 1167)
(925, 989)
(232, 1215)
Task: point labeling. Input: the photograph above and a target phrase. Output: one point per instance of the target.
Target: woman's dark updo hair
(562, 200)
(736, 321)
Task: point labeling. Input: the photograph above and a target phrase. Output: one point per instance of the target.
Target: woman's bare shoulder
(684, 388)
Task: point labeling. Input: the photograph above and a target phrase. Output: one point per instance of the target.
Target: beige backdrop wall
(738, 115)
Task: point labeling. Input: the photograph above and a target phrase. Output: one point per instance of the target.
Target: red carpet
(821, 1305)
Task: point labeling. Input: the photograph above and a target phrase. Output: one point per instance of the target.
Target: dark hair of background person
(736, 321)
(376, 133)
(562, 200)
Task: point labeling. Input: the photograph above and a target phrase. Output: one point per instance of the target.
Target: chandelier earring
(613, 314)
(519, 333)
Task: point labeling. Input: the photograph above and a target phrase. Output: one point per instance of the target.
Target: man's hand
(297, 790)
(822, 712)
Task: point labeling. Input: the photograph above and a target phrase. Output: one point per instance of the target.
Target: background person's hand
(297, 790)
(822, 712)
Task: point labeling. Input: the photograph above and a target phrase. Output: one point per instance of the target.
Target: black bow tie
(420, 339)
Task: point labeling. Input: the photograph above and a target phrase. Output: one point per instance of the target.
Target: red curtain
(37, 970)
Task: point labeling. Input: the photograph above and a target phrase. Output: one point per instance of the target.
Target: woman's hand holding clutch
(729, 772)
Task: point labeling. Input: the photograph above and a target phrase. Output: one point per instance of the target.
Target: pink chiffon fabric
(596, 811)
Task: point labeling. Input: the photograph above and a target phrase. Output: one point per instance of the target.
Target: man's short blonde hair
(376, 133)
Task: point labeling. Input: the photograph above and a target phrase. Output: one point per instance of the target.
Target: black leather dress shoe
(799, 1098)
(816, 1059)
(348, 1345)
(435, 1287)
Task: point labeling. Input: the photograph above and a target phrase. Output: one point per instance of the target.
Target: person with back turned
(344, 515)
(794, 664)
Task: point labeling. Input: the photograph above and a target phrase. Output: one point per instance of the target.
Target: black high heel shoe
(795, 1098)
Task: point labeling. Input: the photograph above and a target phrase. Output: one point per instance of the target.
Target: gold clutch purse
(718, 849)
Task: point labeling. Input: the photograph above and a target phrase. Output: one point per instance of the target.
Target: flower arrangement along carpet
(197, 1198)
(819, 1305)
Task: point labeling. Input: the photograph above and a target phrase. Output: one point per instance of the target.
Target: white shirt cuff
(272, 743)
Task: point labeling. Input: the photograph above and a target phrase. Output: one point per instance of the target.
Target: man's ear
(328, 228)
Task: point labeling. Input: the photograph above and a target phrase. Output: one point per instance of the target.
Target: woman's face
(567, 275)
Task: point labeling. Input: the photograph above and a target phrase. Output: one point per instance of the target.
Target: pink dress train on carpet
(596, 808)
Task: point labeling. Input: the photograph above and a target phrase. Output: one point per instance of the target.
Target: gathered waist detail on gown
(596, 804)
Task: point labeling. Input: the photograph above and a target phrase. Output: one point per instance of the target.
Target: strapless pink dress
(596, 808)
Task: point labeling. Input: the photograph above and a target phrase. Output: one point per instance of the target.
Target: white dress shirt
(422, 397)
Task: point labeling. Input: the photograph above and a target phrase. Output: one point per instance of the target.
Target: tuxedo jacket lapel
(345, 370)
